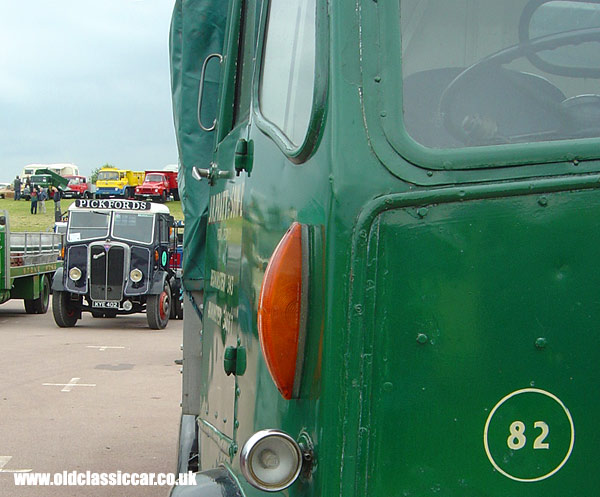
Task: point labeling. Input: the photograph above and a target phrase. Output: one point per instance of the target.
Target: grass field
(21, 219)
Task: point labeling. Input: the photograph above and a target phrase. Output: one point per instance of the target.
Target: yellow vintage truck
(114, 182)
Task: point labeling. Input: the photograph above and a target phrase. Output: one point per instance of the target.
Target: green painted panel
(485, 348)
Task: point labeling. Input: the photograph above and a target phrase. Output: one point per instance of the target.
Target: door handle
(212, 174)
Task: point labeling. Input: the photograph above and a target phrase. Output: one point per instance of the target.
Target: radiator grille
(107, 268)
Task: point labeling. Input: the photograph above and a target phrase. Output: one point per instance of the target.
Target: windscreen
(154, 178)
(133, 227)
(86, 225)
(486, 73)
(108, 176)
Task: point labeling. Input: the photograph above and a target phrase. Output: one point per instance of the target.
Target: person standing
(56, 197)
(17, 185)
(42, 197)
(34, 199)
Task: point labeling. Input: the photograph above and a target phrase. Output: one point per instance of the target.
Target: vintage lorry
(395, 240)
(117, 183)
(78, 187)
(118, 259)
(158, 185)
(28, 262)
(44, 178)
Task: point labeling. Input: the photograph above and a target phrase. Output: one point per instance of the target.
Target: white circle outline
(489, 419)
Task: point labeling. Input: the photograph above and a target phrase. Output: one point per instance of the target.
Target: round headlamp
(271, 460)
(75, 274)
(136, 275)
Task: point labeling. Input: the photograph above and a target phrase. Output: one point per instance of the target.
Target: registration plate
(105, 304)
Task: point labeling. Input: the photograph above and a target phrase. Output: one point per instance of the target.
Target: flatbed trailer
(28, 262)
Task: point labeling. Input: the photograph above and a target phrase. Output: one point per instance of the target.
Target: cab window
(288, 68)
(500, 73)
(87, 225)
(133, 227)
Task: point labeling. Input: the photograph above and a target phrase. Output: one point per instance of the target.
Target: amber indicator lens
(279, 310)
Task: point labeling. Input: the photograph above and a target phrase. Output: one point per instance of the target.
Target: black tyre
(163, 197)
(65, 315)
(158, 308)
(41, 304)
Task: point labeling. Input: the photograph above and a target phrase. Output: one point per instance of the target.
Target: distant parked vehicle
(28, 262)
(60, 169)
(78, 187)
(158, 185)
(113, 182)
(7, 190)
(47, 178)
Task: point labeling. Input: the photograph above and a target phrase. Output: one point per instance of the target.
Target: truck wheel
(65, 315)
(39, 305)
(158, 308)
(163, 197)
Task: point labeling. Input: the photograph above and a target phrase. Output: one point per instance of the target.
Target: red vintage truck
(78, 187)
(158, 185)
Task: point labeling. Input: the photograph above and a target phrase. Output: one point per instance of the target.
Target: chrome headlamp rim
(75, 274)
(246, 463)
(136, 275)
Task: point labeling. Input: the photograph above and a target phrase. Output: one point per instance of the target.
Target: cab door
(221, 330)
(271, 112)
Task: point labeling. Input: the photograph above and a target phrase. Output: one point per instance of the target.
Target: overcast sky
(86, 82)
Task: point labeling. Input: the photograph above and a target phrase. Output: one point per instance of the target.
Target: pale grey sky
(86, 82)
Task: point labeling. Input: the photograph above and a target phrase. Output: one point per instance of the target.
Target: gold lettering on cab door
(226, 205)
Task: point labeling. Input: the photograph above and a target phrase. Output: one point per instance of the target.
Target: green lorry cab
(28, 261)
(391, 289)
(46, 178)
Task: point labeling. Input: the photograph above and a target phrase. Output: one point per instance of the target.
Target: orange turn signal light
(282, 310)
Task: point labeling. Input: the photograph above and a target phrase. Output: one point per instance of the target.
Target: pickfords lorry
(120, 257)
(117, 183)
(159, 186)
(28, 262)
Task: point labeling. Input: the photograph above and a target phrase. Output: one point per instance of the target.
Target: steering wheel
(458, 125)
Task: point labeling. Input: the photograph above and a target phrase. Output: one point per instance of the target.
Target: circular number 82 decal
(529, 435)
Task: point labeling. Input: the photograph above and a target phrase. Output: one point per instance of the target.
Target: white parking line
(74, 382)
(102, 348)
(4, 461)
